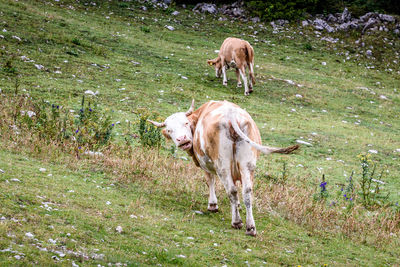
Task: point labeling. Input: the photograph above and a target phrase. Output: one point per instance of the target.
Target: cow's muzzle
(185, 145)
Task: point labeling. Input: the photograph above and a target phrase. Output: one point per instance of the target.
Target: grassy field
(55, 51)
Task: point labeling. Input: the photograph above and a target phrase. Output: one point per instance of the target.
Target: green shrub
(276, 9)
(149, 135)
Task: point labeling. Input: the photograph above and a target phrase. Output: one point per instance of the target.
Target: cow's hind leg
(242, 72)
(247, 163)
(231, 189)
(212, 198)
(239, 82)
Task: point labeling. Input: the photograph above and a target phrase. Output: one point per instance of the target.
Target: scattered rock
(303, 142)
(29, 235)
(90, 92)
(346, 15)
(42, 169)
(39, 67)
(205, 7)
(119, 229)
(320, 24)
(175, 13)
(169, 27)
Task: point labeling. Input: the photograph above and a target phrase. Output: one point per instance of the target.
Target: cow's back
(214, 131)
(236, 49)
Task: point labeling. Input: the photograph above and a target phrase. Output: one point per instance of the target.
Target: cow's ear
(166, 135)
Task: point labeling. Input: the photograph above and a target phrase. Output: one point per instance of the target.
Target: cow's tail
(264, 149)
(250, 60)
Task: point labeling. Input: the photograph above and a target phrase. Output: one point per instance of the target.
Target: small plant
(149, 135)
(145, 29)
(307, 46)
(9, 68)
(280, 178)
(76, 41)
(323, 193)
(370, 185)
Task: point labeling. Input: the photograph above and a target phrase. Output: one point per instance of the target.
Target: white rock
(42, 169)
(18, 257)
(198, 212)
(30, 235)
(383, 97)
(74, 264)
(133, 216)
(378, 181)
(323, 63)
(15, 180)
(373, 151)
(169, 27)
(39, 67)
(215, 245)
(175, 13)
(1, 171)
(108, 203)
(216, 51)
(119, 229)
(190, 237)
(52, 241)
(299, 96)
(398, 150)
(90, 92)
(184, 77)
(16, 37)
(181, 256)
(303, 142)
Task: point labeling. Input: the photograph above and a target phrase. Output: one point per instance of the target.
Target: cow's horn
(157, 124)
(190, 109)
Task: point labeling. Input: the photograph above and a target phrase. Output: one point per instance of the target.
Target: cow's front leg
(224, 79)
(212, 198)
(239, 82)
(242, 72)
(232, 191)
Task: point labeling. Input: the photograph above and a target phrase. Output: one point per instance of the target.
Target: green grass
(86, 47)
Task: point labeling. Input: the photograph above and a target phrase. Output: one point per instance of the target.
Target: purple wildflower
(77, 131)
(79, 147)
(112, 124)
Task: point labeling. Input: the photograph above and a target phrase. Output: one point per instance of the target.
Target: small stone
(169, 27)
(118, 229)
(198, 212)
(323, 63)
(303, 142)
(175, 13)
(42, 169)
(373, 151)
(108, 203)
(30, 235)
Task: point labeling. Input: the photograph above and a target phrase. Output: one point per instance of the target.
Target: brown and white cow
(238, 54)
(223, 140)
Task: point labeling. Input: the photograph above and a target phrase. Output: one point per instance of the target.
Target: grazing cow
(224, 140)
(238, 54)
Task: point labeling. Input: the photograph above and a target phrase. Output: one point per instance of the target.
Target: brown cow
(238, 54)
(223, 140)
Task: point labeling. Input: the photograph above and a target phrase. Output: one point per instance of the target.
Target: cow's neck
(193, 118)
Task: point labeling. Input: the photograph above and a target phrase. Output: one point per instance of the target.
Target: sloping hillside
(65, 204)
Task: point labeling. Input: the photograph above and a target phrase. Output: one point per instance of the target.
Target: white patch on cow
(177, 127)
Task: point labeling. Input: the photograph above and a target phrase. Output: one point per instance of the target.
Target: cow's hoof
(225, 83)
(246, 93)
(239, 85)
(237, 225)
(212, 208)
(251, 231)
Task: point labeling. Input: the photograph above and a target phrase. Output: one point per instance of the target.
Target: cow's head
(216, 62)
(178, 128)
